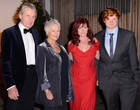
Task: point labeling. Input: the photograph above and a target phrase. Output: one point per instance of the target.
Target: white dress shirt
(29, 45)
(107, 39)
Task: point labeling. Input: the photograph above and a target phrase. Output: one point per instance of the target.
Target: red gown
(83, 77)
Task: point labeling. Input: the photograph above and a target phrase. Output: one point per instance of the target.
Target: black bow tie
(27, 30)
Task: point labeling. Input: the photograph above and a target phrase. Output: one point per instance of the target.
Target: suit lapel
(35, 39)
(104, 51)
(19, 37)
(19, 41)
(118, 44)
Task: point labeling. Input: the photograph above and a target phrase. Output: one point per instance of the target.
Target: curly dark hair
(75, 35)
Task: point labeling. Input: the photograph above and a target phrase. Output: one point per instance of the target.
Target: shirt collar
(21, 27)
(114, 32)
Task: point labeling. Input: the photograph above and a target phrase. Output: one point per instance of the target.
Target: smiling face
(111, 22)
(82, 30)
(53, 32)
(28, 17)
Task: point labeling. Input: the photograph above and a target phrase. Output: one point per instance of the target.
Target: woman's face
(82, 30)
(53, 32)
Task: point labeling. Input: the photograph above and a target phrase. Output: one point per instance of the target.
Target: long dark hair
(75, 36)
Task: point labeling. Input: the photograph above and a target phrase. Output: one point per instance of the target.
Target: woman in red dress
(83, 48)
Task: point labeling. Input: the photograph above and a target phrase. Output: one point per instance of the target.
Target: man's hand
(13, 93)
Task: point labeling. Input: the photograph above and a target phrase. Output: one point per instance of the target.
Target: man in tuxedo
(118, 65)
(18, 60)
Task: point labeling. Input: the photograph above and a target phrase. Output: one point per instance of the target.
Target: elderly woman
(53, 68)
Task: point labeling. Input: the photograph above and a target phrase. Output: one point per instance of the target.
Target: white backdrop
(7, 11)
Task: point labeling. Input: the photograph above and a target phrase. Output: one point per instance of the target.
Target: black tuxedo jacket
(124, 63)
(13, 56)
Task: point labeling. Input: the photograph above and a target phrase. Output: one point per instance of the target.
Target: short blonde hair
(50, 23)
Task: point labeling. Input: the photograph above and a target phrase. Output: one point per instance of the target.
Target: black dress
(64, 83)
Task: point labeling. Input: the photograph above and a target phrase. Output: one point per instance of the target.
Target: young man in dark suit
(18, 60)
(118, 65)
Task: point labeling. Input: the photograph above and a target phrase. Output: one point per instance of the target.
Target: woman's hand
(70, 56)
(97, 83)
(95, 39)
(49, 94)
(97, 56)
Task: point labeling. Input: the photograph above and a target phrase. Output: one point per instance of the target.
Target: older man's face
(28, 17)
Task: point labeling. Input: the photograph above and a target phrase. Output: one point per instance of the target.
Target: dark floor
(98, 106)
(100, 103)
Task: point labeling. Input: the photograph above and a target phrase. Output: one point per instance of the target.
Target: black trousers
(120, 93)
(27, 95)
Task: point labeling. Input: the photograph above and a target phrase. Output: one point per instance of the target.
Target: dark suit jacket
(124, 63)
(13, 56)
